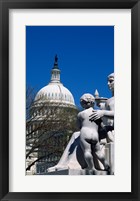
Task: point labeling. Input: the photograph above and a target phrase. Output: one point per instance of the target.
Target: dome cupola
(55, 92)
(55, 78)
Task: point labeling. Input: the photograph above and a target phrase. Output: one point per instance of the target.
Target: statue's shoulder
(82, 114)
(79, 114)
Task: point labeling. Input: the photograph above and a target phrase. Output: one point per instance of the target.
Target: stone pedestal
(76, 172)
(109, 153)
(72, 161)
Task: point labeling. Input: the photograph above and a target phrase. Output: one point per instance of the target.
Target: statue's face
(111, 83)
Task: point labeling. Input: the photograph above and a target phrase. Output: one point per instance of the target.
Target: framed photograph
(58, 57)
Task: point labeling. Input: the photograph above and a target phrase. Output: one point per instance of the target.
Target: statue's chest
(110, 104)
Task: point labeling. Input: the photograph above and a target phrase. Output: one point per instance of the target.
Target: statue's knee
(88, 155)
(100, 154)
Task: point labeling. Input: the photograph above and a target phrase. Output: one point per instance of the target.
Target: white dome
(55, 93)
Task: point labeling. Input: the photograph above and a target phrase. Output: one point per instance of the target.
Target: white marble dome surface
(55, 92)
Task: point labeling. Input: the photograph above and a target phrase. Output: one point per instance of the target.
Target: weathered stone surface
(76, 172)
(109, 152)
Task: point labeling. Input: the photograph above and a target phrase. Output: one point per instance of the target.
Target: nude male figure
(89, 137)
(108, 112)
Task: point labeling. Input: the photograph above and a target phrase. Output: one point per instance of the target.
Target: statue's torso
(110, 107)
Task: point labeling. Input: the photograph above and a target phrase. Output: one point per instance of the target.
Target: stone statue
(108, 112)
(74, 155)
(83, 143)
(89, 137)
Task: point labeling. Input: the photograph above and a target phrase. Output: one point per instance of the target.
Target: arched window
(56, 95)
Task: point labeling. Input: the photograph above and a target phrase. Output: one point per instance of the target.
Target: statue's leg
(110, 136)
(86, 147)
(101, 156)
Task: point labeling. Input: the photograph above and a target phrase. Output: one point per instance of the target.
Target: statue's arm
(97, 114)
(108, 113)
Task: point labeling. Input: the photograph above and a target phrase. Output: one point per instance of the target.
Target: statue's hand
(97, 114)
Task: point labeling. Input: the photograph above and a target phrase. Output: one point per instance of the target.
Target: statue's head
(87, 100)
(111, 82)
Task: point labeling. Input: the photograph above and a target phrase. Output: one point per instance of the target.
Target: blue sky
(85, 57)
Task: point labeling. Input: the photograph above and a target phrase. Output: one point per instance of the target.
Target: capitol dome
(55, 92)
